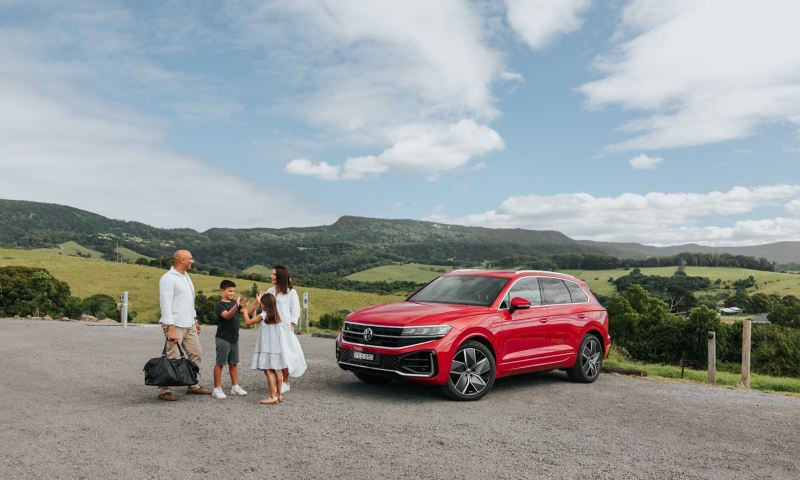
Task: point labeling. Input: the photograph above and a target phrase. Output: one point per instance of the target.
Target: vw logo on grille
(367, 334)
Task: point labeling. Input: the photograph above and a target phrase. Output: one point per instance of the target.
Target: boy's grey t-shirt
(227, 329)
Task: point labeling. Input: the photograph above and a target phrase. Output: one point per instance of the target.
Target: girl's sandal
(280, 398)
(269, 401)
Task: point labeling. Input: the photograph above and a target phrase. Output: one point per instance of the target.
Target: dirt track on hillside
(74, 406)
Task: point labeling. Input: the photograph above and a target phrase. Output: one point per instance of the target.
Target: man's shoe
(198, 391)
(285, 387)
(168, 396)
(237, 390)
(218, 393)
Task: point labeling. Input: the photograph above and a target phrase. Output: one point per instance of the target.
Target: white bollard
(124, 310)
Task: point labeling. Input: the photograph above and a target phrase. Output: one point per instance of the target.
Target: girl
(289, 309)
(268, 355)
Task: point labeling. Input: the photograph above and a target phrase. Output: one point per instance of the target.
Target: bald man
(179, 318)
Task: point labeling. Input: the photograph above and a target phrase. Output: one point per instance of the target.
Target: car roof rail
(467, 270)
(543, 271)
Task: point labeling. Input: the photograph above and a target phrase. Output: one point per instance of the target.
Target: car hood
(413, 313)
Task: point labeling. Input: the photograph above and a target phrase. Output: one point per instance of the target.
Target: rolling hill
(350, 245)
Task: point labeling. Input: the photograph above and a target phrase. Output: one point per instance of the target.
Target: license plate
(364, 357)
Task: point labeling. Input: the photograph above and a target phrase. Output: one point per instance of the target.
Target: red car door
(524, 338)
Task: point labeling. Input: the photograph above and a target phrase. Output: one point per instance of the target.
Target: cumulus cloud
(397, 79)
(540, 22)
(429, 149)
(62, 143)
(645, 162)
(695, 87)
(653, 218)
(794, 207)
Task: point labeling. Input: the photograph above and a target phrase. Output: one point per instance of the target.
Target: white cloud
(322, 170)
(429, 149)
(654, 218)
(62, 143)
(702, 72)
(794, 207)
(540, 22)
(400, 78)
(645, 162)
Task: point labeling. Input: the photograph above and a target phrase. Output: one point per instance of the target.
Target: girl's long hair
(283, 282)
(270, 308)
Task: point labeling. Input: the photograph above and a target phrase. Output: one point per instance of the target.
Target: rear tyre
(589, 360)
(472, 372)
(373, 379)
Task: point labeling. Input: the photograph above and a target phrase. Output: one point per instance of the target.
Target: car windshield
(461, 290)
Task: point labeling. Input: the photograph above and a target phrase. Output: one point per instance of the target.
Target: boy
(227, 339)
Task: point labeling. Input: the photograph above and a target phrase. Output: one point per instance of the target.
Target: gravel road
(74, 406)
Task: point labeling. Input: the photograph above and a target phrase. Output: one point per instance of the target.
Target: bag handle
(180, 349)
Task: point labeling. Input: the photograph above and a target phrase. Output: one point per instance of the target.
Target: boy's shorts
(227, 352)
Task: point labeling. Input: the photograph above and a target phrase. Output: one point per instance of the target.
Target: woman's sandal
(269, 401)
(280, 398)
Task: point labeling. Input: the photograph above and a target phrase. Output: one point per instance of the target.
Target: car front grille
(388, 337)
(421, 363)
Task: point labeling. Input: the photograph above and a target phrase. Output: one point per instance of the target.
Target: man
(179, 318)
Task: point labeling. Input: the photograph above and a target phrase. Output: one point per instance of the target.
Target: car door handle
(581, 316)
(544, 320)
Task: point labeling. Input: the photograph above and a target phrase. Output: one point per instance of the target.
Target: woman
(289, 309)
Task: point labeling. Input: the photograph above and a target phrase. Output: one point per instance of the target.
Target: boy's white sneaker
(218, 393)
(285, 388)
(237, 390)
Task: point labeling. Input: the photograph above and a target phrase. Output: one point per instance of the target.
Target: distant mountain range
(348, 245)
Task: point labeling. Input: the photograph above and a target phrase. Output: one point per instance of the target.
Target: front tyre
(589, 362)
(472, 372)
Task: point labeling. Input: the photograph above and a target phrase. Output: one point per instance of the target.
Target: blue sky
(645, 121)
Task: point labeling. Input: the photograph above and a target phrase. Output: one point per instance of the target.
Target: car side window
(554, 292)
(577, 293)
(527, 288)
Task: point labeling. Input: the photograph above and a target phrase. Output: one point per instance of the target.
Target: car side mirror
(519, 303)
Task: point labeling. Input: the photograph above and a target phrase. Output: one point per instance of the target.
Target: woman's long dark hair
(270, 308)
(283, 282)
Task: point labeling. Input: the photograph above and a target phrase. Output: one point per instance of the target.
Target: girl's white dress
(268, 354)
(276, 343)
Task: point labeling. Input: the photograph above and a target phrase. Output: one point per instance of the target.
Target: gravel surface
(74, 406)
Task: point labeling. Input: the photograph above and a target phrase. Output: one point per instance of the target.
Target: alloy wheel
(470, 371)
(590, 358)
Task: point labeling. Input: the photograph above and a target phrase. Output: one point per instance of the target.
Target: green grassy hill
(128, 255)
(412, 272)
(75, 249)
(87, 276)
(768, 282)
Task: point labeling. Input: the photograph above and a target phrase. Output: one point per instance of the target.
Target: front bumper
(419, 364)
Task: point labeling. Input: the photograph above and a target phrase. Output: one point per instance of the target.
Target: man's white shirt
(176, 293)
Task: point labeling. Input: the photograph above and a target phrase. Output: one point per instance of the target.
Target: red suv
(467, 328)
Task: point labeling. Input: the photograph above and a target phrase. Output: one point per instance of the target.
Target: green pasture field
(73, 248)
(88, 276)
(258, 270)
(129, 255)
(768, 282)
(409, 272)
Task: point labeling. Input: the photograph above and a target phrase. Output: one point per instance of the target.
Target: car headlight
(436, 331)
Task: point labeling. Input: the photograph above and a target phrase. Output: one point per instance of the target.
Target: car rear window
(577, 293)
(554, 292)
(461, 290)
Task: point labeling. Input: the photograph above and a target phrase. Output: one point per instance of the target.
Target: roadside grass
(87, 276)
(409, 272)
(765, 383)
(768, 282)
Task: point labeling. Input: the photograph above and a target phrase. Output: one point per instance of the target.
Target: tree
(100, 306)
(31, 291)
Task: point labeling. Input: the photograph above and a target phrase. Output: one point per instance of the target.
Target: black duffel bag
(170, 372)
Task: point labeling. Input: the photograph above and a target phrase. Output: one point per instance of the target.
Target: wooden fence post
(712, 357)
(746, 331)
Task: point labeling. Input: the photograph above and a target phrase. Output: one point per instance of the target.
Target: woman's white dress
(278, 339)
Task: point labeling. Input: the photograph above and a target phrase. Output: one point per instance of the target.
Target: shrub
(31, 291)
(100, 306)
(333, 320)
